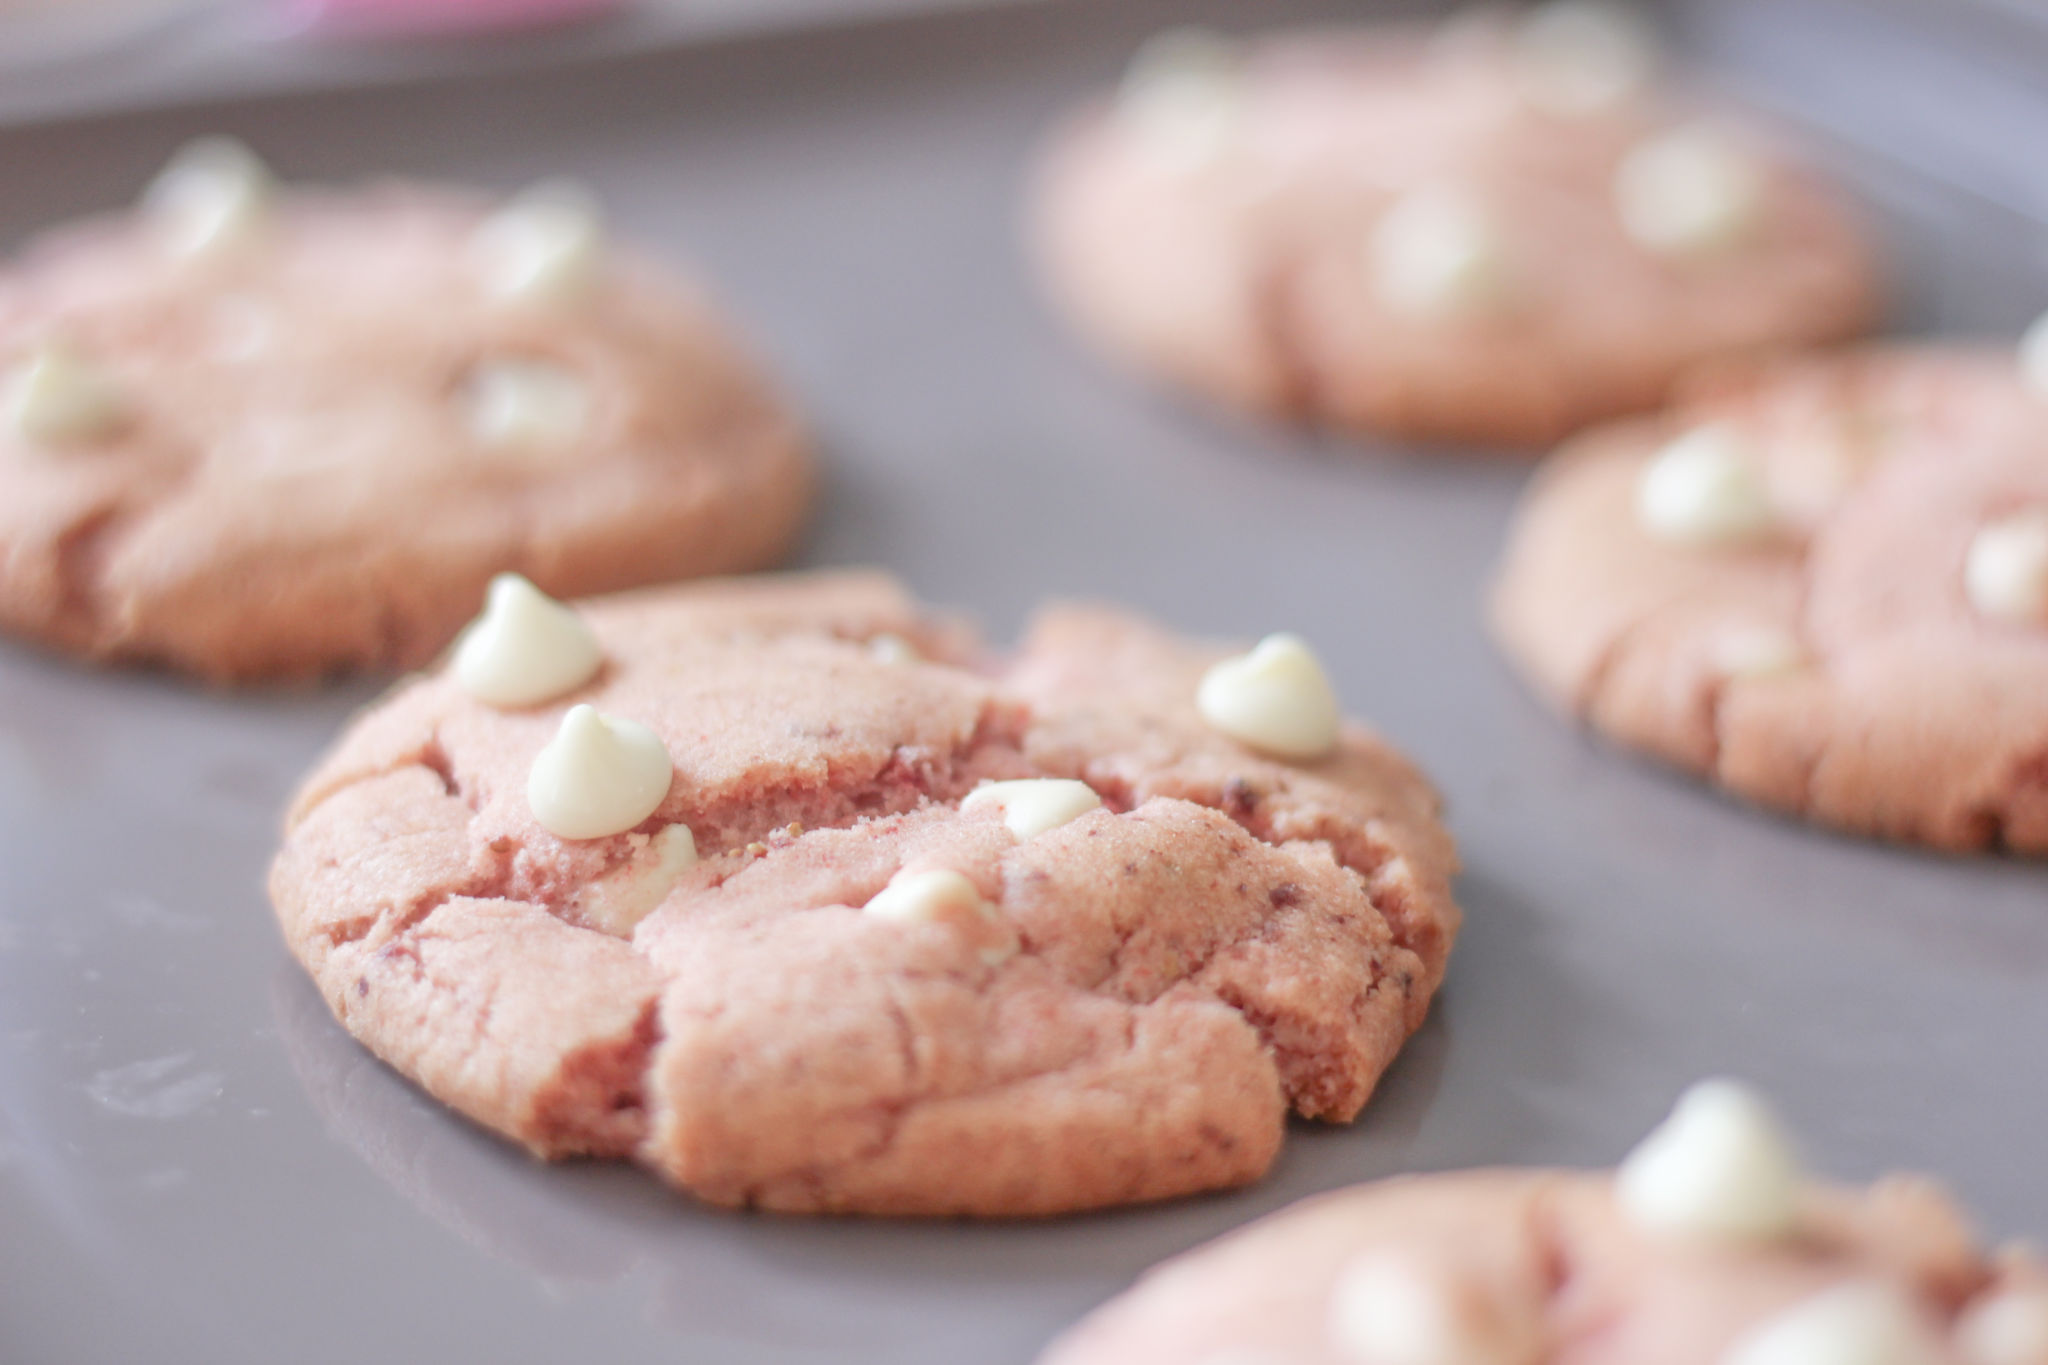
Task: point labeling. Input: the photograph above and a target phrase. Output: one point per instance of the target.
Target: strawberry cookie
(792, 892)
(251, 432)
(1493, 232)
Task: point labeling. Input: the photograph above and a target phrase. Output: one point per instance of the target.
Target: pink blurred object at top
(401, 18)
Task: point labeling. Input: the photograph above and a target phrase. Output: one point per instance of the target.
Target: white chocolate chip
(213, 196)
(1691, 190)
(526, 648)
(626, 895)
(1718, 1169)
(2007, 1327)
(1276, 698)
(1856, 1323)
(890, 648)
(1752, 652)
(56, 397)
(1182, 98)
(546, 246)
(931, 896)
(1031, 806)
(599, 775)
(1386, 1310)
(1435, 252)
(526, 405)
(942, 896)
(1705, 488)
(1579, 57)
(2006, 569)
(2033, 356)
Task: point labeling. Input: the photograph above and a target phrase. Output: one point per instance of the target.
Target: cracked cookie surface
(1525, 1266)
(1376, 230)
(1226, 939)
(331, 436)
(1832, 663)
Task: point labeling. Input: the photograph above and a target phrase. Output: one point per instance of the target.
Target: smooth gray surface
(196, 1165)
(156, 53)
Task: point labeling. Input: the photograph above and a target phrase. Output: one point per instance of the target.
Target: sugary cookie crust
(1227, 939)
(292, 489)
(1890, 706)
(1245, 276)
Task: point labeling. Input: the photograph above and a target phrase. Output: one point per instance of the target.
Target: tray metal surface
(198, 1165)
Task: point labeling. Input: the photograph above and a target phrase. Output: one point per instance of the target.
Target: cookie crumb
(1240, 798)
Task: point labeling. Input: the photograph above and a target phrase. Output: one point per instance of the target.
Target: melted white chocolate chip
(1718, 1169)
(626, 895)
(1705, 488)
(546, 246)
(2033, 356)
(1276, 698)
(214, 196)
(1435, 252)
(56, 397)
(2007, 1327)
(1580, 57)
(526, 648)
(1031, 806)
(891, 648)
(2006, 569)
(931, 896)
(600, 775)
(1387, 1310)
(941, 896)
(1855, 1323)
(531, 406)
(1691, 190)
(1751, 652)
(1182, 98)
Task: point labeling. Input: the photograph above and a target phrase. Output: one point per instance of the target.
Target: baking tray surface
(197, 1165)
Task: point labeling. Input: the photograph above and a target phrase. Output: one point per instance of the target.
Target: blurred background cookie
(252, 432)
(1495, 231)
(1707, 1246)
(1821, 582)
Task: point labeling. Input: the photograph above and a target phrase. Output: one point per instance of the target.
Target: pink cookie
(1495, 233)
(1705, 1248)
(820, 973)
(251, 432)
(1822, 583)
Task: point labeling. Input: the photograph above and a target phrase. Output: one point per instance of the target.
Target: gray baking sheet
(197, 1165)
(60, 60)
